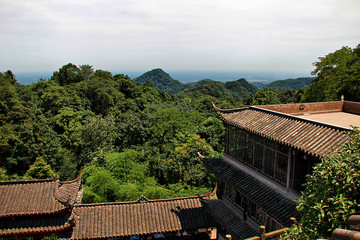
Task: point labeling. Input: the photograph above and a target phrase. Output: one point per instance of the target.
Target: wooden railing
(267, 235)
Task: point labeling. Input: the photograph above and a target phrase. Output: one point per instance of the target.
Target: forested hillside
(129, 139)
(161, 80)
(233, 92)
(291, 83)
(126, 139)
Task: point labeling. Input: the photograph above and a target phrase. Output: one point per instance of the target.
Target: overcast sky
(260, 35)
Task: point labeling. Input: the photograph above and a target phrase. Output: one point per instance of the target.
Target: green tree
(332, 193)
(39, 170)
(3, 175)
(287, 95)
(186, 166)
(338, 73)
(87, 70)
(212, 129)
(97, 136)
(69, 73)
(299, 93)
(103, 74)
(265, 96)
(121, 164)
(100, 184)
(250, 99)
(10, 76)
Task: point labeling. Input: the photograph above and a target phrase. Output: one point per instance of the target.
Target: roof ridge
(77, 179)
(296, 118)
(27, 181)
(136, 201)
(227, 110)
(68, 192)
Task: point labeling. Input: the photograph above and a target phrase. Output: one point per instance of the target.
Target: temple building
(269, 150)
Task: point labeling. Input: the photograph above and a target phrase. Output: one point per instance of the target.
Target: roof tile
(286, 129)
(139, 218)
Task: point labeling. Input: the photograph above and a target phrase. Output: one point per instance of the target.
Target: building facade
(269, 150)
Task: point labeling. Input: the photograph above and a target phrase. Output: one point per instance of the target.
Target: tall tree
(338, 73)
(39, 170)
(69, 73)
(87, 70)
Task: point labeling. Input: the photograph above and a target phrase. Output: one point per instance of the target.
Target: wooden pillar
(288, 171)
(262, 233)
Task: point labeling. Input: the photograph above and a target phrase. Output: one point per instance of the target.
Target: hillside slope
(295, 84)
(161, 80)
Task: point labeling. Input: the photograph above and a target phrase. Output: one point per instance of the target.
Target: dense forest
(126, 137)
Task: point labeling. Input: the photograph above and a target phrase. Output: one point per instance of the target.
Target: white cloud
(230, 34)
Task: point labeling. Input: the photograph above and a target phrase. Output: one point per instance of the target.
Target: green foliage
(213, 130)
(250, 99)
(39, 170)
(265, 96)
(287, 95)
(161, 80)
(103, 74)
(68, 74)
(121, 164)
(96, 136)
(87, 70)
(338, 73)
(241, 86)
(185, 166)
(294, 84)
(3, 175)
(331, 195)
(103, 184)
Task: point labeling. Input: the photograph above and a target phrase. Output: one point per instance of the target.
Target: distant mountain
(237, 90)
(161, 80)
(259, 84)
(291, 83)
(199, 83)
(241, 85)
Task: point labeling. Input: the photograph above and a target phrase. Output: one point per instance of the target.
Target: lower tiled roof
(36, 225)
(123, 219)
(37, 197)
(274, 204)
(228, 219)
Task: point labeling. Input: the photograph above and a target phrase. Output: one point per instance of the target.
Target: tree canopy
(338, 74)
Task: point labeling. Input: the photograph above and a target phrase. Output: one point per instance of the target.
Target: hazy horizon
(183, 76)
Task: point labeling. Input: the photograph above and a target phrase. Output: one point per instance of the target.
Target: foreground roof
(37, 197)
(273, 203)
(313, 137)
(141, 217)
(37, 207)
(39, 225)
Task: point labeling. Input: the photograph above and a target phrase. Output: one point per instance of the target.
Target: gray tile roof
(274, 204)
(314, 138)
